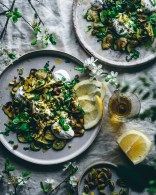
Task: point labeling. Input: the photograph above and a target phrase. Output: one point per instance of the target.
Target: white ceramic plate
(37, 60)
(90, 44)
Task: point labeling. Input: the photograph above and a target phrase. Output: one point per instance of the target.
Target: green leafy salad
(122, 25)
(44, 111)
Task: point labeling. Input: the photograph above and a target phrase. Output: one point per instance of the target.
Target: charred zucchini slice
(8, 109)
(34, 147)
(21, 138)
(49, 136)
(59, 144)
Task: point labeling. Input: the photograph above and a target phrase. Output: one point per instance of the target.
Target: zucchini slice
(34, 147)
(59, 144)
(49, 136)
(21, 138)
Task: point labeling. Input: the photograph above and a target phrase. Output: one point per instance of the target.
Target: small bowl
(99, 164)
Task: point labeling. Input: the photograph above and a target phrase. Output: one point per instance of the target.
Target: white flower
(97, 72)
(21, 181)
(112, 78)
(73, 181)
(90, 63)
(50, 181)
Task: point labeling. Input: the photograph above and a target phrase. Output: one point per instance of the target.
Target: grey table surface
(57, 16)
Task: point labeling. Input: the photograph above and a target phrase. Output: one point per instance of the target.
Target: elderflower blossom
(96, 72)
(73, 181)
(90, 63)
(50, 181)
(112, 78)
(21, 181)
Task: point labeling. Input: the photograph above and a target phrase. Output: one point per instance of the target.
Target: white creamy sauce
(61, 134)
(122, 29)
(60, 74)
(19, 93)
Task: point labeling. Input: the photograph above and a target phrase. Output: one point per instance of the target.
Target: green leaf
(133, 55)
(26, 174)
(53, 39)
(34, 42)
(14, 15)
(46, 66)
(145, 96)
(80, 68)
(11, 55)
(24, 127)
(125, 88)
(9, 166)
(45, 187)
(152, 19)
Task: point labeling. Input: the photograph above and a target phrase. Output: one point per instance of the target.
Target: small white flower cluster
(73, 181)
(96, 72)
(21, 181)
(50, 181)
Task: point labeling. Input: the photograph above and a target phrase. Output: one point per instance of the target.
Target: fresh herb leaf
(11, 55)
(26, 174)
(133, 55)
(152, 19)
(34, 41)
(14, 15)
(81, 69)
(53, 39)
(8, 166)
(46, 66)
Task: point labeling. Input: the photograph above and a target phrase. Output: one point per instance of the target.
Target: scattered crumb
(15, 147)
(11, 142)
(69, 146)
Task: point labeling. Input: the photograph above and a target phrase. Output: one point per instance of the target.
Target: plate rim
(41, 161)
(102, 60)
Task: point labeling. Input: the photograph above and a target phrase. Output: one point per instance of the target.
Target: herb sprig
(16, 182)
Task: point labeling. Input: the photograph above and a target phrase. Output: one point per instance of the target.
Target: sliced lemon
(135, 145)
(93, 108)
(91, 88)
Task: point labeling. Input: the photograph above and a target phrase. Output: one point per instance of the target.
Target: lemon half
(90, 88)
(93, 108)
(135, 145)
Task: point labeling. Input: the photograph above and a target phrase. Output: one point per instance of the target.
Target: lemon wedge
(90, 88)
(135, 145)
(93, 108)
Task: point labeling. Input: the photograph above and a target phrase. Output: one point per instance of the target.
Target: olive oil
(120, 106)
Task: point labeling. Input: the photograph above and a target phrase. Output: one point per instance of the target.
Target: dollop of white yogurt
(60, 133)
(19, 93)
(61, 74)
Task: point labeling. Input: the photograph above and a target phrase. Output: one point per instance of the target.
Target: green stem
(21, 17)
(7, 21)
(66, 179)
(29, 1)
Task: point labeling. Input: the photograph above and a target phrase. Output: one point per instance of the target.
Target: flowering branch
(36, 13)
(41, 37)
(7, 21)
(49, 186)
(14, 181)
(96, 72)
